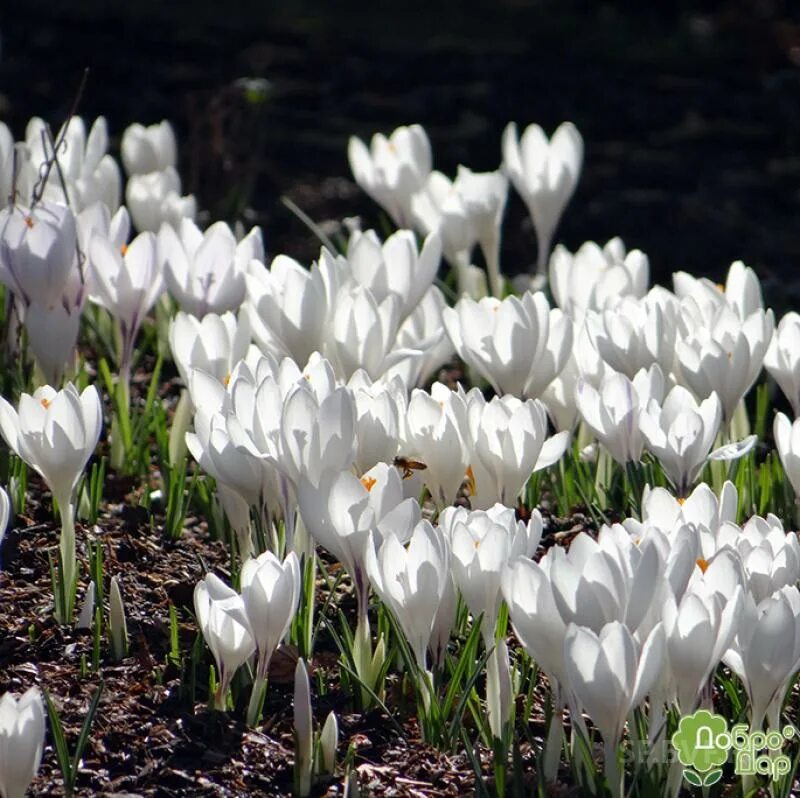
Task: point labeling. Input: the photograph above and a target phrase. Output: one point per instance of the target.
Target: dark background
(690, 111)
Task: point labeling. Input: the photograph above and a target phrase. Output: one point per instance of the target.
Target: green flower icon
(702, 740)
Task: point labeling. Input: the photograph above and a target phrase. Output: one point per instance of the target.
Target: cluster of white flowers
(310, 412)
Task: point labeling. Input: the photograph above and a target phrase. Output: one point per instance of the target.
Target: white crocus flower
(506, 342)
(393, 169)
(484, 196)
(37, 251)
(509, 442)
(155, 199)
(287, 306)
(439, 208)
(363, 332)
(127, 285)
(222, 619)
(636, 333)
(482, 544)
(204, 271)
(270, 592)
(595, 584)
(782, 359)
(699, 627)
(527, 589)
(724, 354)
(214, 344)
(611, 676)
(39, 263)
(411, 580)
(97, 221)
(437, 432)
(540, 629)
(316, 434)
(701, 509)
(224, 449)
(766, 651)
(741, 292)
(55, 432)
(680, 434)
(545, 174)
(770, 555)
(594, 277)
(613, 412)
(787, 441)
(148, 149)
(342, 511)
(395, 267)
(88, 172)
(22, 728)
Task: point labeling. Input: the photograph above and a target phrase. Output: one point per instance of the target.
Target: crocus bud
(86, 615)
(117, 626)
(21, 741)
(303, 730)
(328, 742)
(5, 513)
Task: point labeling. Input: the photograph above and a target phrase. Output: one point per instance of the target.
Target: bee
(408, 466)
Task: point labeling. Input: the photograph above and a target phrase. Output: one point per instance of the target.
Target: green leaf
(60, 743)
(692, 778)
(712, 777)
(86, 728)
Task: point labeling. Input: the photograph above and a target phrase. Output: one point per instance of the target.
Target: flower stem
(552, 748)
(257, 696)
(614, 773)
(69, 564)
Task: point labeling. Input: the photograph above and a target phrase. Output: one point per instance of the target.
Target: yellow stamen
(226, 379)
(45, 403)
(721, 288)
(123, 249)
(702, 564)
(637, 541)
(29, 222)
(681, 500)
(368, 482)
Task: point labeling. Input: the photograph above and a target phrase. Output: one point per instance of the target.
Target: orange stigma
(368, 483)
(470, 481)
(702, 564)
